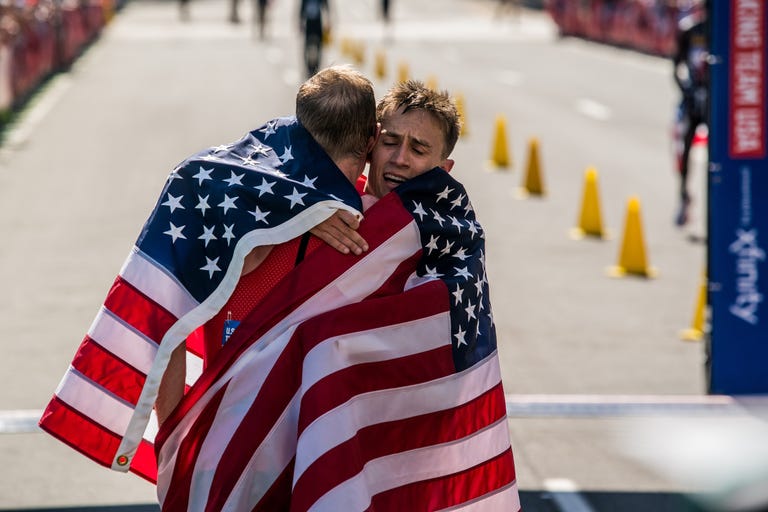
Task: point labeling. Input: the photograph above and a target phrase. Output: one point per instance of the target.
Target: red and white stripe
(103, 406)
(96, 399)
(343, 403)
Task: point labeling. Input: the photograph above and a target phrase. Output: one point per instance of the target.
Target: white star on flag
(202, 205)
(202, 175)
(460, 337)
(229, 202)
(220, 148)
(247, 160)
(175, 175)
(286, 156)
(228, 233)
(470, 309)
(461, 254)
(458, 294)
(479, 285)
(432, 245)
(174, 202)
(432, 272)
(295, 198)
(269, 129)
(211, 266)
(234, 179)
(472, 228)
(437, 217)
(462, 272)
(455, 222)
(309, 182)
(260, 215)
(207, 235)
(457, 202)
(265, 187)
(175, 232)
(260, 149)
(447, 248)
(444, 194)
(419, 210)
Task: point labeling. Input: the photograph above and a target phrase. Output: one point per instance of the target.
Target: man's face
(411, 143)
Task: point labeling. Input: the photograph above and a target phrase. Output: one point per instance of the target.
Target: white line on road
(19, 422)
(593, 109)
(532, 406)
(566, 496)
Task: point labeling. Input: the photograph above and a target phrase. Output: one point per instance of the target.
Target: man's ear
(372, 141)
(447, 164)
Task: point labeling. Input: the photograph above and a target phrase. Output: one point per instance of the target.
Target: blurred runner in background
(260, 16)
(692, 77)
(311, 24)
(385, 10)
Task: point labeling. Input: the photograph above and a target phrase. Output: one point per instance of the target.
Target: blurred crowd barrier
(41, 37)
(645, 25)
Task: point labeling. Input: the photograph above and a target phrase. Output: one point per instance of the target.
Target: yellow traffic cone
(344, 46)
(460, 108)
(532, 184)
(632, 258)
(402, 72)
(696, 331)
(590, 219)
(500, 156)
(359, 53)
(381, 65)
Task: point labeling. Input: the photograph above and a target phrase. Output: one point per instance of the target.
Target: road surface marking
(593, 109)
(566, 495)
(19, 422)
(533, 406)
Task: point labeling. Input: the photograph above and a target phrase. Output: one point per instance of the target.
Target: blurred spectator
(644, 25)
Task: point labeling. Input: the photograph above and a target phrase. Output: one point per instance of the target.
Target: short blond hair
(338, 107)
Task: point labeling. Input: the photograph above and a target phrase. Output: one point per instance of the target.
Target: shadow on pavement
(604, 501)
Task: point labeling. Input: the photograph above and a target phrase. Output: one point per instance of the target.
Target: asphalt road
(586, 358)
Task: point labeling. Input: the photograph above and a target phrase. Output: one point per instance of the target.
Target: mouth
(394, 179)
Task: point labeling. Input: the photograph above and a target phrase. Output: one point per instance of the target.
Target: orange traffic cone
(533, 184)
(590, 218)
(632, 258)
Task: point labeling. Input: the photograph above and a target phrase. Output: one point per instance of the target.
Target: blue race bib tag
(229, 327)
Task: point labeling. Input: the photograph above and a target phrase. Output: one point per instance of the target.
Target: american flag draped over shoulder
(269, 187)
(363, 383)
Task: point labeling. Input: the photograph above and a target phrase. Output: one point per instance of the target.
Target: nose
(400, 157)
